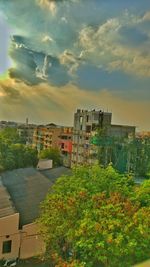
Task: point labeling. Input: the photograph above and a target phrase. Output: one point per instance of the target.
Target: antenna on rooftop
(27, 121)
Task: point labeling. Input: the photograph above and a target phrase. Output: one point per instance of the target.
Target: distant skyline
(57, 56)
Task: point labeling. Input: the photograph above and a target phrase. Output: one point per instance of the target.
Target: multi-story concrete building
(26, 133)
(25, 130)
(144, 134)
(8, 124)
(54, 136)
(65, 145)
(86, 124)
(46, 136)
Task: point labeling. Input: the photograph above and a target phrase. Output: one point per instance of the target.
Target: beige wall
(26, 243)
(9, 224)
(9, 231)
(31, 243)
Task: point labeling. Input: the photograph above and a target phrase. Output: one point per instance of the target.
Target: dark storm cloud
(34, 67)
(57, 40)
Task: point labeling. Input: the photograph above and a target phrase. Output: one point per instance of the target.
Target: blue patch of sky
(133, 36)
(4, 43)
(130, 86)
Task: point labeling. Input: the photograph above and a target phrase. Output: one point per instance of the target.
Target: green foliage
(127, 155)
(18, 156)
(143, 157)
(96, 217)
(143, 193)
(52, 153)
(10, 136)
(14, 155)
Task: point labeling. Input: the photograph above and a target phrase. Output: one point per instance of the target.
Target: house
(21, 192)
(89, 123)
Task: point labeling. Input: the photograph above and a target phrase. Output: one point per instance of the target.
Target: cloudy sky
(56, 56)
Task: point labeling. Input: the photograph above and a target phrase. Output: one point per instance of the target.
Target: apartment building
(8, 124)
(26, 133)
(143, 134)
(46, 136)
(55, 136)
(65, 145)
(86, 125)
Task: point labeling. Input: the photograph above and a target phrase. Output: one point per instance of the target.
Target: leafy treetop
(96, 217)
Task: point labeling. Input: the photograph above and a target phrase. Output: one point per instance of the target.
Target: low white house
(45, 164)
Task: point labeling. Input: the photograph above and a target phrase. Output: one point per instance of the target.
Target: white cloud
(49, 4)
(47, 38)
(70, 60)
(146, 16)
(102, 46)
(52, 6)
(64, 19)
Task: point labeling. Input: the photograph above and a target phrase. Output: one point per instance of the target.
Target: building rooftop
(28, 188)
(123, 126)
(93, 110)
(53, 174)
(6, 206)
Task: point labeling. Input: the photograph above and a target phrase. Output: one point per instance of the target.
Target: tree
(14, 154)
(126, 154)
(143, 193)
(94, 218)
(10, 136)
(52, 153)
(143, 157)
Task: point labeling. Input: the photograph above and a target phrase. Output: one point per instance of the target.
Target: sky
(60, 55)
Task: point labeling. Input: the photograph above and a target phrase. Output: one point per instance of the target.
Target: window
(93, 126)
(64, 137)
(62, 145)
(88, 129)
(87, 118)
(96, 116)
(7, 246)
(81, 119)
(65, 153)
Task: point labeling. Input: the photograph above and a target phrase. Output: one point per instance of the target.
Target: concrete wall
(45, 164)
(9, 231)
(31, 242)
(26, 243)
(121, 131)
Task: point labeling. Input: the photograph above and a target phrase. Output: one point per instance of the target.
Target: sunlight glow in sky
(67, 54)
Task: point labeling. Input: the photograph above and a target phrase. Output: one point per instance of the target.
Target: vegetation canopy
(52, 153)
(96, 217)
(13, 153)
